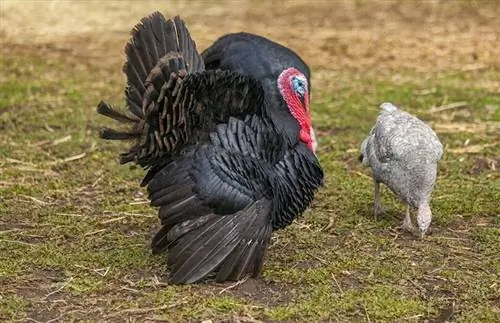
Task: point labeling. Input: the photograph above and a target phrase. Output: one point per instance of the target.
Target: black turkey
(228, 150)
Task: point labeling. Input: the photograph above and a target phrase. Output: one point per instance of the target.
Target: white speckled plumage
(402, 152)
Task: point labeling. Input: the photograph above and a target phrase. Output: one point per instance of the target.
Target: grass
(75, 226)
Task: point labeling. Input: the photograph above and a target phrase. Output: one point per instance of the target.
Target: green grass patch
(72, 218)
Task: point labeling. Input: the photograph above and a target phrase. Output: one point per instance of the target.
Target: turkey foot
(378, 210)
(407, 225)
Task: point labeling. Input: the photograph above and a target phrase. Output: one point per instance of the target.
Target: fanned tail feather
(108, 111)
(159, 54)
(187, 46)
(111, 134)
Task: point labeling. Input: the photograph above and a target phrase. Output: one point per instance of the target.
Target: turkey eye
(298, 86)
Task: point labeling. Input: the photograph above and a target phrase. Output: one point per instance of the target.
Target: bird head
(424, 218)
(295, 91)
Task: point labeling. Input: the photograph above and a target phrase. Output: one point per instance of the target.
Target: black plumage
(225, 164)
(263, 60)
(252, 55)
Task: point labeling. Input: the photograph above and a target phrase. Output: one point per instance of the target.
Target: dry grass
(75, 226)
(375, 37)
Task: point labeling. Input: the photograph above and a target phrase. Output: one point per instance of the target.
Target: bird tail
(363, 155)
(389, 107)
(159, 53)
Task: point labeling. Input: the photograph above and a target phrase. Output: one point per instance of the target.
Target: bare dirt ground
(75, 228)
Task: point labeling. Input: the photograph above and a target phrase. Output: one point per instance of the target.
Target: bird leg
(407, 225)
(377, 209)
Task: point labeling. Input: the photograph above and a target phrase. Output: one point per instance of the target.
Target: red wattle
(305, 137)
(299, 108)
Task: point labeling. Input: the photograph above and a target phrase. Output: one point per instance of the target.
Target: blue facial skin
(299, 86)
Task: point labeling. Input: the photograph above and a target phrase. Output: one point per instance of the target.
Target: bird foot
(378, 211)
(408, 226)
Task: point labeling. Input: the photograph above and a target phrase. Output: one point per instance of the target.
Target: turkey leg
(407, 225)
(377, 209)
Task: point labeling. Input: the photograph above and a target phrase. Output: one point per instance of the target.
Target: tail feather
(159, 55)
(108, 111)
(151, 38)
(133, 99)
(111, 134)
(188, 47)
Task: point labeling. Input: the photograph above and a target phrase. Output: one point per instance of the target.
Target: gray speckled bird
(403, 153)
